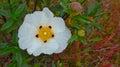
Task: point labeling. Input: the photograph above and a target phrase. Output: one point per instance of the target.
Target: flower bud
(81, 32)
(76, 6)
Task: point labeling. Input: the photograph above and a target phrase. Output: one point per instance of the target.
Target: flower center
(45, 33)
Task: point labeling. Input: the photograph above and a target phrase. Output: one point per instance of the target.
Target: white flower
(41, 32)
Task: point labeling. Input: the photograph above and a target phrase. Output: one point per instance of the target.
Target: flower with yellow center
(41, 32)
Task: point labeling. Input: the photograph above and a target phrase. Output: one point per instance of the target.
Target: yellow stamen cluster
(45, 33)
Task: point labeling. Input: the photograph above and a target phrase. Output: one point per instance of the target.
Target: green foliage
(81, 1)
(3, 45)
(7, 50)
(7, 25)
(4, 13)
(19, 10)
(12, 14)
(95, 9)
(96, 39)
(17, 59)
(84, 19)
(73, 38)
(37, 65)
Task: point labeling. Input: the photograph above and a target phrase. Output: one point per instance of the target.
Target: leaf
(79, 64)
(90, 7)
(53, 64)
(37, 65)
(64, 3)
(18, 59)
(7, 25)
(26, 65)
(4, 13)
(11, 65)
(88, 21)
(3, 45)
(82, 39)
(97, 26)
(7, 51)
(19, 10)
(73, 38)
(13, 2)
(96, 39)
(81, 1)
(4, 4)
(15, 36)
(95, 10)
(87, 50)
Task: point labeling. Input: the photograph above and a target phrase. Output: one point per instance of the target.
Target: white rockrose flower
(41, 32)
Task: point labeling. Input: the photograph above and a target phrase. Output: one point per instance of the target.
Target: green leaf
(4, 4)
(53, 64)
(37, 65)
(90, 7)
(97, 26)
(19, 10)
(7, 51)
(11, 65)
(87, 50)
(82, 39)
(7, 25)
(88, 21)
(15, 36)
(96, 39)
(96, 9)
(13, 2)
(4, 13)
(26, 65)
(64, 3)
(81, 1)
(79, 64)
(18, 58)
(3, 45)
(73, 38)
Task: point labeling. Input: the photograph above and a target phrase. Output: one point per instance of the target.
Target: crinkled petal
(35, 44)
(37, 52)
(24, 43)
(58, 24)
(50, 47)
(25, 34)
(37, 18)
(62, 39)
(48, 13)
(26, 30)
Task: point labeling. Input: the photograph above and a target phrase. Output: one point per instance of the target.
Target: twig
(99, 61)
(65, 16)
(35, 4)
(4, 18)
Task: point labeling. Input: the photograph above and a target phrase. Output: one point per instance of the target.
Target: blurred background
(94, 24)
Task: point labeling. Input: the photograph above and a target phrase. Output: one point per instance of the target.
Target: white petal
(37, 52)
(24, 43)
(37, 18)
(26, 30)
(62, 39)
(48, 13)
(58, 24)
(35, 44)
(50, 47)
(25, 34)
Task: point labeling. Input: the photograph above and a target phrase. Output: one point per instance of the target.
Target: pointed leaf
(95, 10)
(88, 21)
(7, 25)
(7, 51)
(4, 13)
